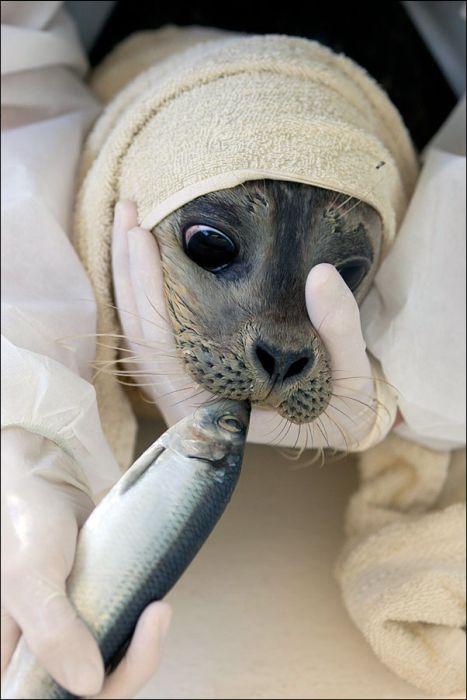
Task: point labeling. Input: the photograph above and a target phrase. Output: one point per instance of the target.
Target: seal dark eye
(353, 272)
(208, 247)
(230, 423)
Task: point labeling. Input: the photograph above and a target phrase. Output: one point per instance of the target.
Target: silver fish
(145, 532)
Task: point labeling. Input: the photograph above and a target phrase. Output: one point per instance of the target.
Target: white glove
(42, 511)
(362, 409)
(351, 416)
(151, 360)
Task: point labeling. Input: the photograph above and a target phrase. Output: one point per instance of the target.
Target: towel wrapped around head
(228, 109)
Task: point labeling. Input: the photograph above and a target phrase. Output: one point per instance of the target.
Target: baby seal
(235, 264)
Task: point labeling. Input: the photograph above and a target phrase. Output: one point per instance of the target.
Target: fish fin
(138, 468)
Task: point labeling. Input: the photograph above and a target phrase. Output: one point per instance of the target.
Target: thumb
(334, 313)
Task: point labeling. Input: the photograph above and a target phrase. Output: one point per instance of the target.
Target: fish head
(215, 433)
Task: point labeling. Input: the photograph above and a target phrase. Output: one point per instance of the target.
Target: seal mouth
(228, 375)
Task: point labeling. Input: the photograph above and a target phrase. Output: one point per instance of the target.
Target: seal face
(235, 265)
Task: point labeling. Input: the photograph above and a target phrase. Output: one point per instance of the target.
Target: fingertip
(155, 619)
(125, 216)
(324, 282)
(143, 655)
(320, 275)
(87, 679)
(143, 245)
(328, 297)
(71, 655)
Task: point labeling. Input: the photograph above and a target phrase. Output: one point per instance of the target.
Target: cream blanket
(307, 115)
(402, 572)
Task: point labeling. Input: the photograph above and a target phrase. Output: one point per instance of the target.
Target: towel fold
(402, 571)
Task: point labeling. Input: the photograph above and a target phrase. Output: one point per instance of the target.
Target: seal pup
(235, 264)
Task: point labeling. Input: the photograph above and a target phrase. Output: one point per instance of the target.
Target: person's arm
(55, 460)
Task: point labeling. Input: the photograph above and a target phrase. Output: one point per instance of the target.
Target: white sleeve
(48, 308)
(414, 317)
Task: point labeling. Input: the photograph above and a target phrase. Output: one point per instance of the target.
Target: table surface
(258, 614)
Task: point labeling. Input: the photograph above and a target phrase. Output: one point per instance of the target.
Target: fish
(144, 533)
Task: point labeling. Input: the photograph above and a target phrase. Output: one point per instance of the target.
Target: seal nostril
(296, 367)
(267, 361)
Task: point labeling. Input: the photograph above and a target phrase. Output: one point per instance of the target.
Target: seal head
(235, 265)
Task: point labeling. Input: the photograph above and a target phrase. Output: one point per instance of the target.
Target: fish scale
(142, 536)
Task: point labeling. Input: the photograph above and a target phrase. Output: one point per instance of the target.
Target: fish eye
(230, 423)
(353, 272)
(209, 248)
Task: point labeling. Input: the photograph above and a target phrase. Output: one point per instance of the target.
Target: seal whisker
(282, 419)
(111, 367)
(289, 428)
(141, 384)
(342, 204)
(137, 357)
(188, 398)
(320, 427)
(136, 341)
(340, 411)
(175, 391)
(164, 329)
(278, 438)
(310, 433)
(373, 400)
(129, 361)
(131, 373)
(276, 425)
(153, 307)
(354, 206)
(363, 403)
(340, 429)
(298, 436)
(369, 377)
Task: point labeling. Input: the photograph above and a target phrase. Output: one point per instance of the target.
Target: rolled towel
(402, 572)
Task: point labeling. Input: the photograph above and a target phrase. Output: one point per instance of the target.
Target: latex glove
(42, 511)
(363, 407)
(151, 360)
(355, 418)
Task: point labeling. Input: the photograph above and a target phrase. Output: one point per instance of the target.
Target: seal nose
(282, 365)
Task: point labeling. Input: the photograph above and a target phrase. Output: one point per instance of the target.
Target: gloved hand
(363, 407)
(361, 411)
(151, 360)
(44, 503)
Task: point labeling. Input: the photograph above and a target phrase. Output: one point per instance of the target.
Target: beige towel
(402, 572)
(222, 112)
